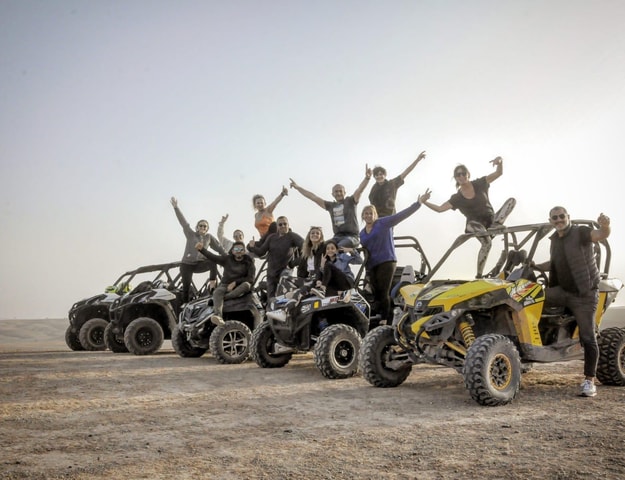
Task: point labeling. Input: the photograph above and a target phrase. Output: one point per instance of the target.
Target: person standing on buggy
(471, 198)
(377, 239)
(192, 260)
(281, 248)
(236, 279)
(384, 192)
(342, 210)
(335, 276)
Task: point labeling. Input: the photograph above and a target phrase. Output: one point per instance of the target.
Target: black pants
(188, 269)
(381, 277)
(583, 308)
(335, 280)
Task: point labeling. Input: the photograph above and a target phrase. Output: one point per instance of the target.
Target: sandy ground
(100, 415)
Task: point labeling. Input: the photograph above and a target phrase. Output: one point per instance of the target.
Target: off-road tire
(611, 367)
(72, 340)
(375, 353)
(115, 343)
(336, 351)
(183, 347)
(262, 345)
(91, 334)
(143, 336)
(492, 370)
(230, 342)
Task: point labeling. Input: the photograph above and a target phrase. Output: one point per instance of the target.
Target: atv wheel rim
(344, 353)
(235, 344)
(500, 372)
(145, 338)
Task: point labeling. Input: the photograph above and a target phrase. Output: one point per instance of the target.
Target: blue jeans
(583, 308)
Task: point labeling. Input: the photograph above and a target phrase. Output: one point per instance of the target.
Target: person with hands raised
(377, 239)
(342, 210)
(192, 260)
(384, 192)
(471, 198)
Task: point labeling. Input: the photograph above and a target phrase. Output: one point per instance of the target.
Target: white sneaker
(587, 389)
(318, 292)
(277, 315)
(217, 320)
(347, 296)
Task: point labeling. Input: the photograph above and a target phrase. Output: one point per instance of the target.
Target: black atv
(331, 327)
(143, 318)
(89, 317)
(195, 334)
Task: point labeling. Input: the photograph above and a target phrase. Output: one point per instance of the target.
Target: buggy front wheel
(492, 370)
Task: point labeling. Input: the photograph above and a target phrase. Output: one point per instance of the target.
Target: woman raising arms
(471, 198)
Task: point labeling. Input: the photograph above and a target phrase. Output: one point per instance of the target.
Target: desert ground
(100, 415)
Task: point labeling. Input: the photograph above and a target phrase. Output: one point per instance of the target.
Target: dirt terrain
(100, 415)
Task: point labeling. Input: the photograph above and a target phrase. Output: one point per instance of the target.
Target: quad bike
(89, 317)
(143, 318)
(331, 327)
(492, 329)
(195, 334)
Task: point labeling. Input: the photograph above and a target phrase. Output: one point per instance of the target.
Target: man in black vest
(574, 282)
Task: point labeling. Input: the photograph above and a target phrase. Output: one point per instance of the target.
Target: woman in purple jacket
(377, 239)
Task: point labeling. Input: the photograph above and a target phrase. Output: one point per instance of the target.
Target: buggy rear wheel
(336, 351)
(72, 340)
(143, 336)
(230, 342)
(611, 367)
(114, 341)
(91, 334)
(382, 364)
(492, 370)
(263, 348)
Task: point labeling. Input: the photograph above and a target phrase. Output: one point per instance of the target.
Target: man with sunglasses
(574, 280)
(281, 247)
(236, 279)
(192, 261)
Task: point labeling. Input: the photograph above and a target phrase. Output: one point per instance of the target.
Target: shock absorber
(466, 329)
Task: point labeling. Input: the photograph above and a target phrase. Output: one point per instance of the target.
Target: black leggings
(188, 269)
(335, 280)
(381, 277)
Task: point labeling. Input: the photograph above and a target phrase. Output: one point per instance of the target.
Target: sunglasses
(201, 225)
(460, 174)
(282, 224)
(561, 216)
(237, 249)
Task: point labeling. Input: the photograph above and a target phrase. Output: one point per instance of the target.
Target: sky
(109, 108)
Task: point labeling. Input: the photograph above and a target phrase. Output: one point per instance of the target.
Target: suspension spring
(466, 329)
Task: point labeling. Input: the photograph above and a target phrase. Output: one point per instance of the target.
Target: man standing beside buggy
(574, 280)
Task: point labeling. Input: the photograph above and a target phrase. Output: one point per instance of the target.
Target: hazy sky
(109, 108)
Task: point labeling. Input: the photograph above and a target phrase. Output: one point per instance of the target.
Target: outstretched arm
(363, 184)
(183, 221)
(498, 162)
(311, 196)
(220, 228)
(604, 229)
(410, 168)
(424, 200)
(274, 204)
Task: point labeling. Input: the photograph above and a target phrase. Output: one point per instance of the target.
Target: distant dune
(49, 335)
